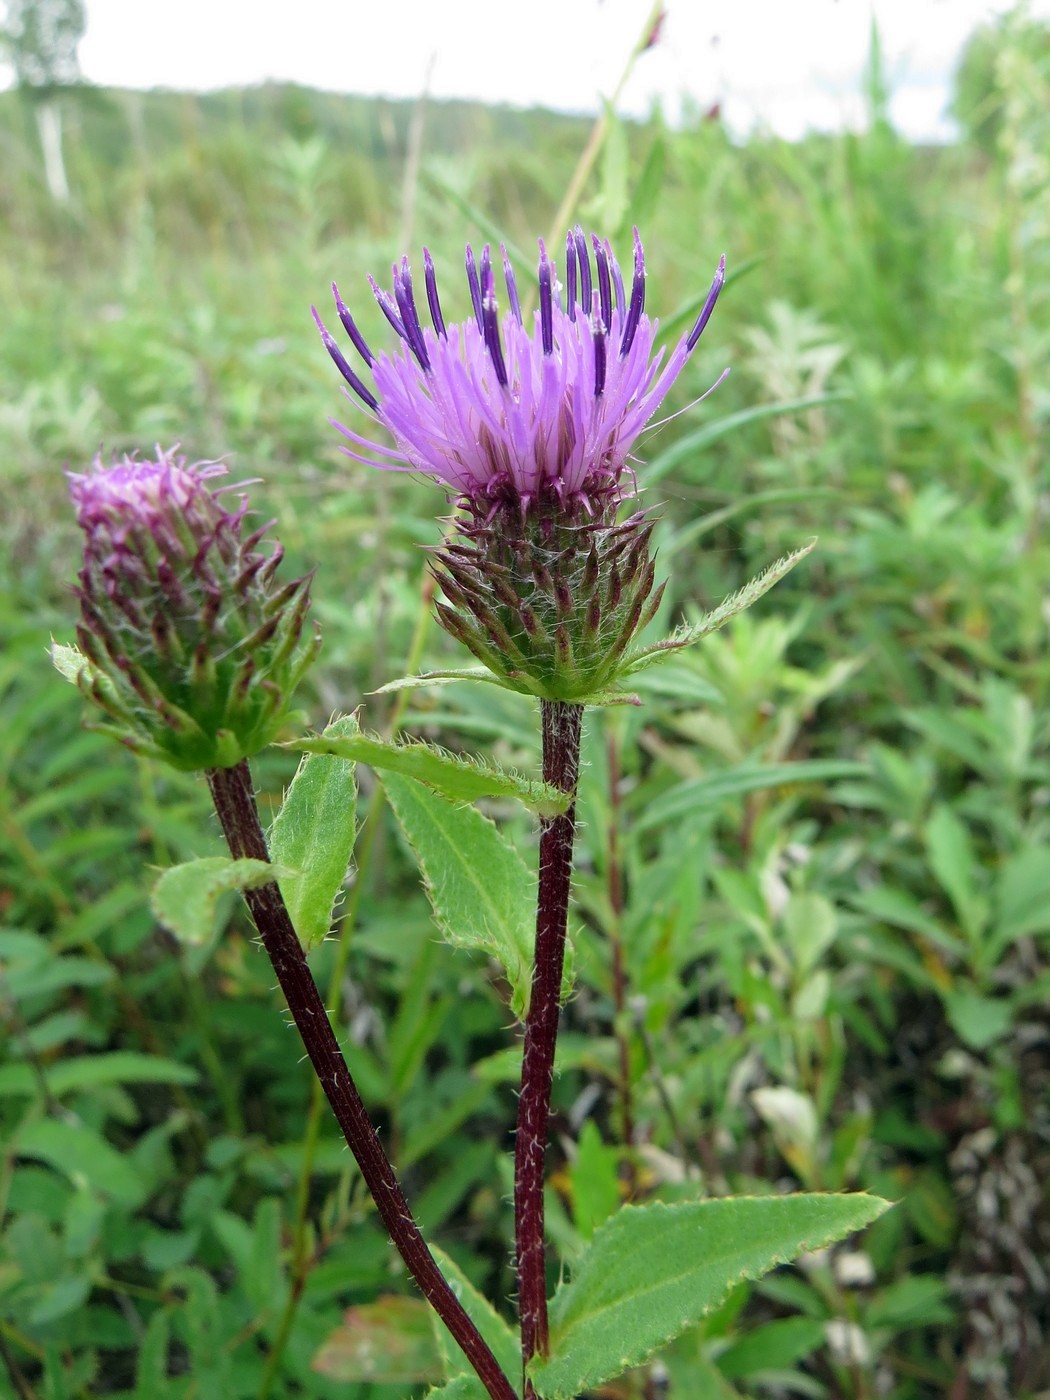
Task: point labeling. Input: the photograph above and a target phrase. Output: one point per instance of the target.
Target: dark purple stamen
(351, 329)
(570, 277)
(585, 268)
(598, 332)
(601, 260)
(634, 311)
(490, 312)
(546, 302)
(475, 288)
(406, 304)
(709, 304)
(617, 277)
(430, 276)
(344, 369)
(512, 286)
(389, 309)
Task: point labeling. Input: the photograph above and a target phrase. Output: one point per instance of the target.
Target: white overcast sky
(788, 65)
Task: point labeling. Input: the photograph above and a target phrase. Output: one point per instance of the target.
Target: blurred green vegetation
(837, 974)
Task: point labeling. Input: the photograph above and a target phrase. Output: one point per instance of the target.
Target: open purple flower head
(508, 406)
(187, 641)
(530, 422)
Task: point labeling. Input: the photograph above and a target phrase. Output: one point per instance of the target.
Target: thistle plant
(192, 649)
(530, 427)
(547, 573)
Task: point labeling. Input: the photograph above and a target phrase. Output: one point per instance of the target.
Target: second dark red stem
(561, 764)
(234, 798)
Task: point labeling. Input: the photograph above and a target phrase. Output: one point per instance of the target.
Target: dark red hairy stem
(234, 798)
(561, 723)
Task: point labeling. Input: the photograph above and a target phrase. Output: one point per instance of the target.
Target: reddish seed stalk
(234, 798)
(561, 723)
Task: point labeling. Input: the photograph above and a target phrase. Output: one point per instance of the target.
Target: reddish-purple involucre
(515, 408)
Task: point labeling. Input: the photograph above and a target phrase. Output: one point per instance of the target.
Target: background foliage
(814, 887)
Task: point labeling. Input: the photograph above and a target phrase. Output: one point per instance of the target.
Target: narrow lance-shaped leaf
(478, 673)
(427, 679)
(313, 836)
(461, 779)
(653, 1271)
(718, 617)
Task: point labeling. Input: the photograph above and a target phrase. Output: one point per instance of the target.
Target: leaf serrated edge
(432, 678)
(489, 946)
(659, 1207)
(735, 603)
(539, 797)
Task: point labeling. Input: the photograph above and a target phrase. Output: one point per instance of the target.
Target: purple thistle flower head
(186, 640)
(529, 421)
(509, 408)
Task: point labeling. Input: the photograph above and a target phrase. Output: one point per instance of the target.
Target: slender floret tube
(529, 422)
(188, 641)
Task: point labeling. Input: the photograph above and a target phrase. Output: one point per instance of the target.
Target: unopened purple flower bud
(188, 642)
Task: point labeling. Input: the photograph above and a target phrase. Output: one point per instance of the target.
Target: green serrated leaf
(653, 1271)
(427, 679)
(718, 617)
(501, 1338)
(69, 662)
(482, 673)
(462, 779)
(184, 898)
(482, 893)
(313, 835)
(605, 698)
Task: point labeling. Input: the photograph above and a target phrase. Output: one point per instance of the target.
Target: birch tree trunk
(49, 125)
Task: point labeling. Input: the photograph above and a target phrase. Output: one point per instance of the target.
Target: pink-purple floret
(495, 408)
(136, 493)
(147, 519)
